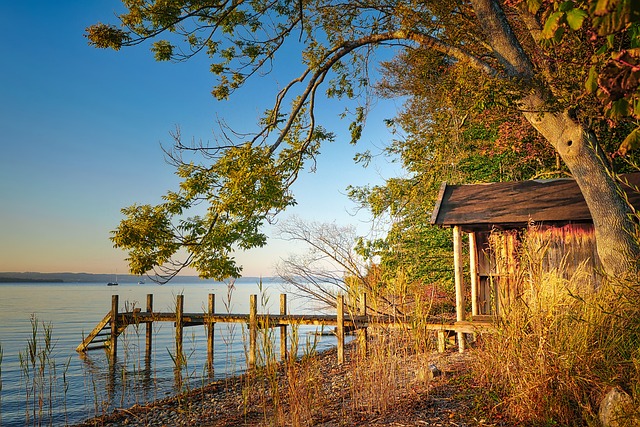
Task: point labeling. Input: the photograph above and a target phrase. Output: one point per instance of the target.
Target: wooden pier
(105, 334)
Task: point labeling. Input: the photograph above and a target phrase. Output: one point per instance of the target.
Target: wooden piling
(179, 327)
(340, 327)
(442, 341)
(210, 325)
(106, 331)
(253, 330)
(283, 328)
(459, 281)
(149, 329)
(113, 348)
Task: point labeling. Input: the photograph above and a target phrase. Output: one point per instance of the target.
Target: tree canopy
(540, 58)
(456, 127)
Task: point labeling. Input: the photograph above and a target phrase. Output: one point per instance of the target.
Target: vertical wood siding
(508, 260)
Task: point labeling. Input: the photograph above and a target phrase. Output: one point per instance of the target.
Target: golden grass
(562, 343)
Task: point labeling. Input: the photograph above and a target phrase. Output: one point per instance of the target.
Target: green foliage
(148, 232)
(611, 16)
(462, 119)
(453, 130)
(242, 189)
(613, 27)
(631, 142)
(162, 50)
(106, 36)
(421, 251)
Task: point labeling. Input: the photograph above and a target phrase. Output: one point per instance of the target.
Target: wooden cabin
(495, 214)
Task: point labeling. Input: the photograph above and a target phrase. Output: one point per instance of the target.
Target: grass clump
(562, 344)
(385, 374)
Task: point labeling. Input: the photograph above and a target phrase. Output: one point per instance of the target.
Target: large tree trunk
(612, 217)
(614, 226)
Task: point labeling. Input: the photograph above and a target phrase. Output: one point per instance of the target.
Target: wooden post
(179, 328)
(459, 281)
(340, 327)
(114, 328)
(283, 329)
(473, 271)
(442, 339)
(210, 325)
(149, 329)
(362, 332)
(253, 329)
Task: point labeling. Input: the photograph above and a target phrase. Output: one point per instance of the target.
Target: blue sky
(80, 135)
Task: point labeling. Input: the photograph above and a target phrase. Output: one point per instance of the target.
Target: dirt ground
(448, 398)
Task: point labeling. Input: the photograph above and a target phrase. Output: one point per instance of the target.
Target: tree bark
(611, 214)
(618, 249)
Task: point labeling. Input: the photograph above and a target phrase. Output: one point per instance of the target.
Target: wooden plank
(113, 345)
(436, 209)
(272, 319)
(473, 327)
(94, 333)
(459, 281)
(95, 347)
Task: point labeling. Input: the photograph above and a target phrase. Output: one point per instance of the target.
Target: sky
(81, 131)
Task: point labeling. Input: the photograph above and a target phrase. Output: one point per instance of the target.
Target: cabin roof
(516, 204)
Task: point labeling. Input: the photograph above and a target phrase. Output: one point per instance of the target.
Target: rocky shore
(437, 392)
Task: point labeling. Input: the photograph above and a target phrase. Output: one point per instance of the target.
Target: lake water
(59, 386)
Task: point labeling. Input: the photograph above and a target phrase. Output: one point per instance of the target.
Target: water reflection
(90, 385)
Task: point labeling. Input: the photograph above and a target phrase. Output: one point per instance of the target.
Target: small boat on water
(114, 283)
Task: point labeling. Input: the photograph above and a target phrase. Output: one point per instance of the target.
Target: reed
(303, 381)
(65, 388)
(39, 374)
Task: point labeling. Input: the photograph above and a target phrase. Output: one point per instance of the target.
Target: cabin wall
(566, 250)
(509, 260)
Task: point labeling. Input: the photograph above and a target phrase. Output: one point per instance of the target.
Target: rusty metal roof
(516, 204)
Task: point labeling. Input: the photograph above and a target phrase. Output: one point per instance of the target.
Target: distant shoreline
(70, 278)
(24, 280)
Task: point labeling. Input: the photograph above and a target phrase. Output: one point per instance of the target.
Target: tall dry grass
(298, 391)
(387, 372)
(562, 343)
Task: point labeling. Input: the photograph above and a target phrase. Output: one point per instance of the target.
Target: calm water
(66, 388)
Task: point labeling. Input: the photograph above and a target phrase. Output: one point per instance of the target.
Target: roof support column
(473, 272)
(459, 281)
